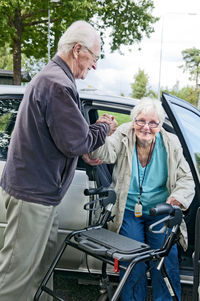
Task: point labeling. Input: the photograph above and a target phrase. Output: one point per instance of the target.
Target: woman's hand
(109, 119)
(172, 201)
(90, 161)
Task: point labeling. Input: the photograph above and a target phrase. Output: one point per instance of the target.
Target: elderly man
(49, 135)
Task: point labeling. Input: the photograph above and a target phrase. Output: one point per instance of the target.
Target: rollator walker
(115, 249)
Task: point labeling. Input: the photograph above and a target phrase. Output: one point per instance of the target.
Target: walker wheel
(103, 297)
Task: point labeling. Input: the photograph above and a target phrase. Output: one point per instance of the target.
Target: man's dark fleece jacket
(49, 135)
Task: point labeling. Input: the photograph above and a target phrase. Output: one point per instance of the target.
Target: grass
(4, 121)
(121, 118)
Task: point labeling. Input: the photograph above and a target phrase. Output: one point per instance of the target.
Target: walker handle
(101, 191)
(107, 196)
(161, 209)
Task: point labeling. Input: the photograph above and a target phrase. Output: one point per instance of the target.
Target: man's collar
(59, 61)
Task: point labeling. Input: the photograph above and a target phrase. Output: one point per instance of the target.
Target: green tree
(197, 157)
(191, 57)
(6, 62)
(188, 93)
(140, 87)
(151, 93)
(6, 58)
(24, 23)
(32, 65)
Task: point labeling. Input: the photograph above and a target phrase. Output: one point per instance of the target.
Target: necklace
(138, 206)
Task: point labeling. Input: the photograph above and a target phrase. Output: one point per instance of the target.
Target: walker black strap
(101, 174)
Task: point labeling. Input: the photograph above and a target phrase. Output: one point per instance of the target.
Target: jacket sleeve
(68, 128)
(183, 189)
(108, 153)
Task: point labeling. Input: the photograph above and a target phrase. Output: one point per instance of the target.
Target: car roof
(12, 89)
(88, 94)
(101, 96)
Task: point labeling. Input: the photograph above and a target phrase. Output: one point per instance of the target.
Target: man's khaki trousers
(29, 248)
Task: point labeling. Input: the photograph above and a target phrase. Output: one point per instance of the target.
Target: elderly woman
(149, 169)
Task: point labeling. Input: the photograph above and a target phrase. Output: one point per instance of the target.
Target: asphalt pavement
(73, 287)
(68, 286)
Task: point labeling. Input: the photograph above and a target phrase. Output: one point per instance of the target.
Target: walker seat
(110, 244)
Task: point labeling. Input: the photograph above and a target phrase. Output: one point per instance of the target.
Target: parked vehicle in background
(181, 118)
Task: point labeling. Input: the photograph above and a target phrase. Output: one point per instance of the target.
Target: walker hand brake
(173, 218)
(163, 229)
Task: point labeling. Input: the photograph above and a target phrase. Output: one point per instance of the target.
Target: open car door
(185, 119)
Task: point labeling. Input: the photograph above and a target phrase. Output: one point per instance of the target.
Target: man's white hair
(78, 32)
(146, 106)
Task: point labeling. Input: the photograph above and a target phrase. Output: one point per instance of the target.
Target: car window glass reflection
(8, 113)
(190, 124)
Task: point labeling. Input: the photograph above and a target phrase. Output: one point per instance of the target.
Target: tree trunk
(17, 62)
(17, 47)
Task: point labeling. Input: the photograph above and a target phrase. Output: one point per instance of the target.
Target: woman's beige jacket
(118, 149)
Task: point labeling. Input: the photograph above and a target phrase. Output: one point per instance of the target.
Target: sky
(160, 55)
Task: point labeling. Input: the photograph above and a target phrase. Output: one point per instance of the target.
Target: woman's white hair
(146, 106)
(78, 32)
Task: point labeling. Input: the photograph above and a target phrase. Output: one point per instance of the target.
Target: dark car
(182, 119)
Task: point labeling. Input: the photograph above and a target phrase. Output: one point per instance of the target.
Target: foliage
(6, 58)
(24, 23)
(8, 113)
(191, 57)
(190, 94)
(4, 121)
(140, 87)
(6, 62)
(197, 157)
(151, 93)
(32, 65)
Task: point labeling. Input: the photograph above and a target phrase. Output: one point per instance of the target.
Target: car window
(8, 113)
(190, 124)
(186, 121)
(120, 117)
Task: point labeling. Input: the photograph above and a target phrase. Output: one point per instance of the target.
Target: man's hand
(172, 201)
(93, 162)
(109, 119)
(105, 118)
(113, 126)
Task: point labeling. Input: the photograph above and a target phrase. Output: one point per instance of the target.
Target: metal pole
(49, 23)
(161, 53)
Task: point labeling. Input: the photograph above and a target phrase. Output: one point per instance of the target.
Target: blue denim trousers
(138, 229)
